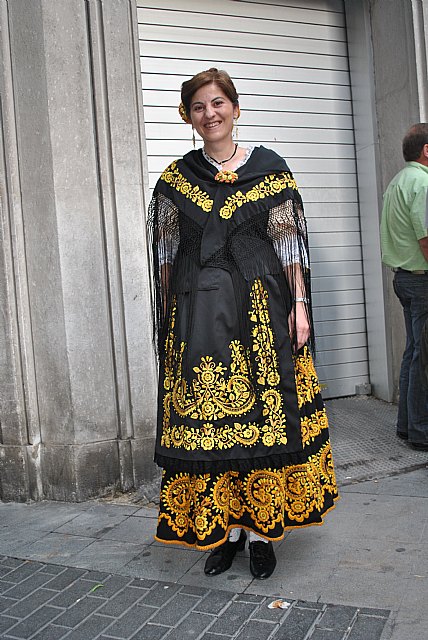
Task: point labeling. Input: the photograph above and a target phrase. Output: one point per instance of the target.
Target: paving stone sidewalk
(50, 602)
(361, 576)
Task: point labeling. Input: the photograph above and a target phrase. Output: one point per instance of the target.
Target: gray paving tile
(412, 484)
(194, 591)
(128, 625)
(68, 597)
(263, 613)
(52, 569)
(11, 562)
(106, 555)
(115, 510)
(4, 586)
(232, 618)
(33, 601)
(297, 624)
(327, 634)
(162, 563)
(381, 613)
(23, 571)
(304, 604)
(177, 608)
(249, 597)
(142, 583)
(34, 622)
(66, 578)
(24, 588)
(337, 617)
(192, 626)
(136, 530)
(77, 590)
(92, 523)
(52, 632)
(6, 603)
(55, 547)
(160, 594)
(96, 576)
(256, 630)
(214, 602)
(236, 579)
(154, 632)
(367, 628)
(6, 623)
(42, 516)
(355, 587)
(146, 512)
(119, 603)
(112, 585)
(90, 628)
(78, 612)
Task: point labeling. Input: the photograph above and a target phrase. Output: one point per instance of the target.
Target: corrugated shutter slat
(289, 63)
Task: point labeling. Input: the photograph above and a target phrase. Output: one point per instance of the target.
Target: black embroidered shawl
(250, 228)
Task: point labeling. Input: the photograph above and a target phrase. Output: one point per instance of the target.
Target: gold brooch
(226, 176)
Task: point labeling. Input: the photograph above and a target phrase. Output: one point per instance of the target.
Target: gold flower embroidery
(200, 503)
(214, 395)
(175, 179)
(307, 384)
(270, 185)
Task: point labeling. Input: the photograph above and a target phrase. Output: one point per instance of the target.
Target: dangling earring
(193, 138)
(236, 129)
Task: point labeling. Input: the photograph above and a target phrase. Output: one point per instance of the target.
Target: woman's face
(212, 114)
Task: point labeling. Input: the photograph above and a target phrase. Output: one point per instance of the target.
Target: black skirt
(242, 429)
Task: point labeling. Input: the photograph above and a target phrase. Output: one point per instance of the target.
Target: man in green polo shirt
(404, 240)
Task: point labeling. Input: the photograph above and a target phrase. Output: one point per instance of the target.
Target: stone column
(79, 415)
(399, 33)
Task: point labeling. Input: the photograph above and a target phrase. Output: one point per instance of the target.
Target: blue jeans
(412, 291)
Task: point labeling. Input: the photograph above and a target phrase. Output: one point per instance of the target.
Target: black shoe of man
(221, 558)
(262, 559)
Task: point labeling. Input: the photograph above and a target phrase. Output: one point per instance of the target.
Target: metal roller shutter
(290, 66)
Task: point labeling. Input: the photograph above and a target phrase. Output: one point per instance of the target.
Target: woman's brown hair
(212, 76)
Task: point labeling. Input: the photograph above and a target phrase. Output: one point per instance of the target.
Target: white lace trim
(248, 152)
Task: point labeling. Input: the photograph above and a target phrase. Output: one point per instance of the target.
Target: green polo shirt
(405, 218)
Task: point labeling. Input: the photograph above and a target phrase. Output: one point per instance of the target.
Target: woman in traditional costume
(242, 432)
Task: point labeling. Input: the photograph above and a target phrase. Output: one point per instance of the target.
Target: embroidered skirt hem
(199, 510)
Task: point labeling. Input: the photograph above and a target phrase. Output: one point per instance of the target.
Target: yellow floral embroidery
(175, 178)
(270, 185)
(288, 496)
(212, 396)
(274, 430)
(262, 334)
(264, 491)
(209, 437)
(307, 384)
(312, 425)
(305, 484)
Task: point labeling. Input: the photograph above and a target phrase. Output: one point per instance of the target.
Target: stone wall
(77, 374)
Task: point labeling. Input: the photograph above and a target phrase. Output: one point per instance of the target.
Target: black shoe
(221, 558)
(402, 435)
(262, 559)
(419, 446)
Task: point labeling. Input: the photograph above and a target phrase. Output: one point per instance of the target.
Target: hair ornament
(183, 113)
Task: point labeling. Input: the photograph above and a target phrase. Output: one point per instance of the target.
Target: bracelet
(301, 300)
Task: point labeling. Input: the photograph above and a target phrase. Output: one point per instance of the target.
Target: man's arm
(423, 243)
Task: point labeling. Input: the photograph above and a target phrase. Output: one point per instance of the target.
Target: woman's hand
(300, 326)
